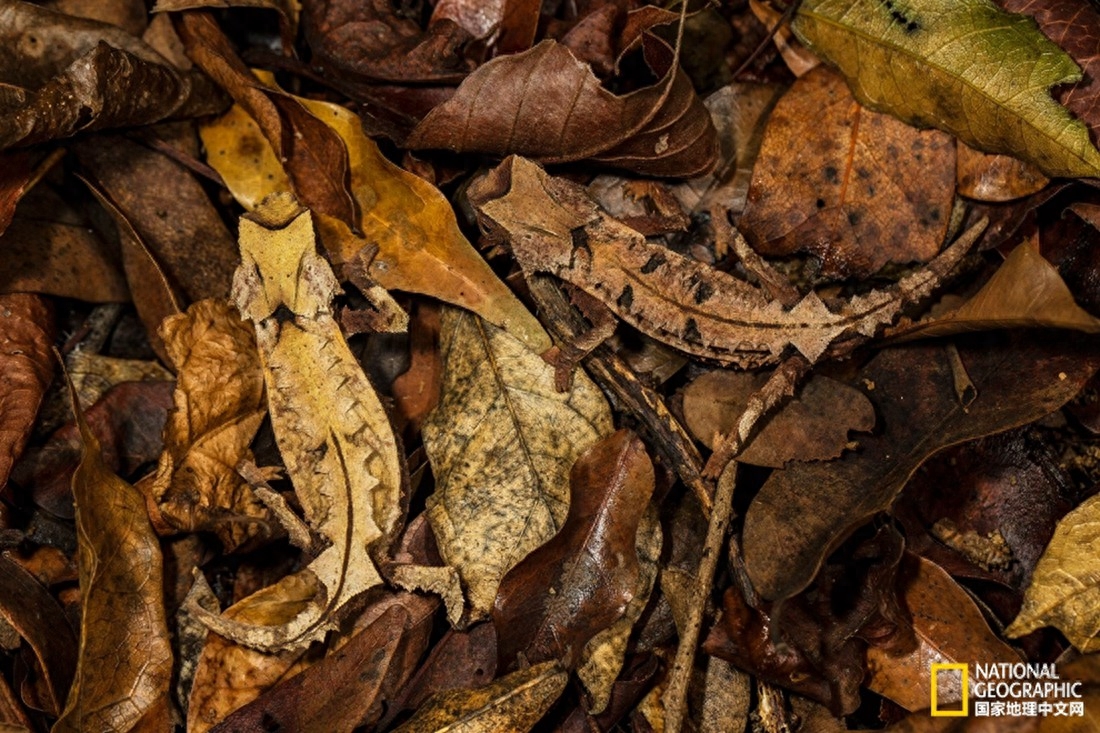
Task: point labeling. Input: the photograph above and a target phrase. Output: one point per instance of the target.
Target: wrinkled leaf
(105, 88)
(502, 443)
(547, 105)
(314, 156)
(350, 687)
(963, 66)
(512, 703)
(1016, 381)
(332, 430)
(122, 624)
(950, 629)
(580, 582)
(855, 188)
(219, 403)
(1065, 587)
(814, 426)
(26, 369)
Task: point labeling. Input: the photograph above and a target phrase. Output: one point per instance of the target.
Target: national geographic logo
(950, 687)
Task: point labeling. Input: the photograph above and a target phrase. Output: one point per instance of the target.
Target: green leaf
(964, 66)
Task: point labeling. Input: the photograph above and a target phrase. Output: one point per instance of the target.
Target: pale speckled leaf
(964, 66)
(1065, 587)
(502, 443)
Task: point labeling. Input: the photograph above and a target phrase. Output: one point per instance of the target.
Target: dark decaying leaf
(577, 584)
(127, 422)
(1017, 380)
(29, 609)
(107, 87)
(19, 172)
(26, 368)
(369, 41)
(123, 627)
(314, 156)
(547, 105)
(814, 643)
(352, 686)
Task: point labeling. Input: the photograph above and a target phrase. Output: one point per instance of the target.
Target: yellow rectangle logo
(964, 687)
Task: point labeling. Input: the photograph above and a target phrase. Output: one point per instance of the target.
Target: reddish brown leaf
(988, 177)
(574, 586)
(950, 629)
(316, 159)
(19, 172)
(36, 617)
(547, 105)
(369, 41)
(26, 368)
(855, 188)
(352, 685)
(1017, 381)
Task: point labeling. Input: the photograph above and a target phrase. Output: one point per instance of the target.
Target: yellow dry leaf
(331, 428)
(512, 703)
(219, 404)
(502, 443)
(122, 622)
(420, 247)
(1065, 587)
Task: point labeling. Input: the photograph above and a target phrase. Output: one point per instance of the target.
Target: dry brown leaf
(547, 105)
(332, 431)
(878, 191)
(229, 676)
(219, 404)
(19, 173)
(1026, 291)
(1065, 587)
(989, 177)
(315, 158)
(26, 369)
(950, 629)
(812, 427)
(122, 624)
(420, 247)
(502, 442)
(512, 703)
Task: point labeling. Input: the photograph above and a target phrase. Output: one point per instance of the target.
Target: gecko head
(279, 262)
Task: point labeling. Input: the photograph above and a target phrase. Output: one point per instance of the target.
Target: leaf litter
(398, 330)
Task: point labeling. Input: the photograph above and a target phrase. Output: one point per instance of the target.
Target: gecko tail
(299, 594)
